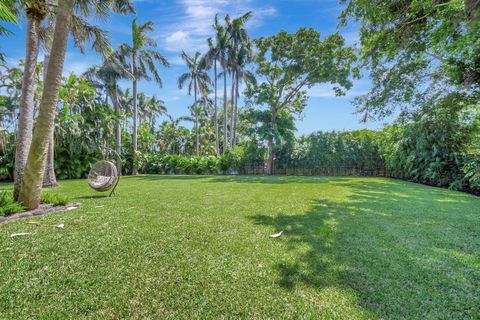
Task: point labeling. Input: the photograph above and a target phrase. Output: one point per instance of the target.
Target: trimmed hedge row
(230, 162)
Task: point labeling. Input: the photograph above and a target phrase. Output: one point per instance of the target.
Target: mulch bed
(40, 211)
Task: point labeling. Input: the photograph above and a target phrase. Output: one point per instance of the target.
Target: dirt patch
(40, 211)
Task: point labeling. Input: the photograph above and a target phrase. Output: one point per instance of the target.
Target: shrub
(7, 205)
(53, 198)
(471, 169)
(231, 160)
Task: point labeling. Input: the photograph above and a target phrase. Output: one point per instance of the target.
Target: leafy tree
(288, 64)
(414, 49)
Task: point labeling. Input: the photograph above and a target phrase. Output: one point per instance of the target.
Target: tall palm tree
(32, 179)
(240, 48)
(142, 62)
(31, 185)
(199, 79)
(35, 12)
(107, 75)
(220, 54)
(212, 57)
(82, 31)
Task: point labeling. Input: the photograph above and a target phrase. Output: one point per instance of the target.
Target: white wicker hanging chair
(103, 176)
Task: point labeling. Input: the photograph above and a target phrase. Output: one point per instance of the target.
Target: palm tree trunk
(25, 117)
(233, 114)
(33, 175)
(49, 177)
(225, 131)
(118, 131)
(215, 116)
(195, 110)
(135, 117)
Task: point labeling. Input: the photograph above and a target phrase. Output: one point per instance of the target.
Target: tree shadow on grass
(240, 178)
(403, 251)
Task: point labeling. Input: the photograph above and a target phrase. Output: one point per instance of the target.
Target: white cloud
(77, 63)
(190, 21)
(326, 90)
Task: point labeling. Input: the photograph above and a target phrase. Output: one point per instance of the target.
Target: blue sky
(186, 24)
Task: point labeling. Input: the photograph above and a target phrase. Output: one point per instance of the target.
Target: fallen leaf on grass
(60, 226)
(19, 234)
(276, 235)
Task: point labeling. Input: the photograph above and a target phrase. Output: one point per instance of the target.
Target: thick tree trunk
(215, 117)
(118, 131)
(233, 113)
(33, 176)
(271, 144)
(195, 110)
(49, 178)
(225, 129)
(25, 117)
(135, 125)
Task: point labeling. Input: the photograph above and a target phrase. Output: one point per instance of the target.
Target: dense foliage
(436, 146)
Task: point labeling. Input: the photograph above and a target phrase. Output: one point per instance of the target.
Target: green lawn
(199, 247)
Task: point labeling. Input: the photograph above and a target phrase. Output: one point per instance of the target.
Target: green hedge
(153, 163)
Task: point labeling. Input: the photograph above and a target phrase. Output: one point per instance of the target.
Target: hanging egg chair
(103, 176)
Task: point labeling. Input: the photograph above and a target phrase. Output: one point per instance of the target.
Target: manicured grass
(199, 247)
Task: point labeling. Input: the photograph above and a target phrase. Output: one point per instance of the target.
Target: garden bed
(42, 210)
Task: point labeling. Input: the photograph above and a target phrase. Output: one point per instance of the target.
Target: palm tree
(107, 75)
(32, 179)
(213, 55)
(7, 14)
(171, 136)
(199, 79)
(82, 31)
(35, 11)
(221, 42)
(142, 62)
(31, 185)
(240, 49)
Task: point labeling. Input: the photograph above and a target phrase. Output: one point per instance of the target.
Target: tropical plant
(7, 14)
(142, 62)
(239, 55)
(106, 77)
(198, 80)
(36, 11)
